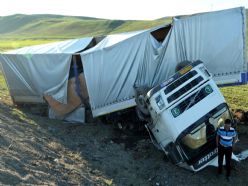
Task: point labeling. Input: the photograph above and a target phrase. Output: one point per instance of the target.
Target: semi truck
(131, 76)
(181, 111)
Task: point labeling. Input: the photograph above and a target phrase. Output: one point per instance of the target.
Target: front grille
(191, 101)
(184, 89)
(180, 81)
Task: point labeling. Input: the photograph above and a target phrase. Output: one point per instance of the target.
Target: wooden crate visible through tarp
(73, 99)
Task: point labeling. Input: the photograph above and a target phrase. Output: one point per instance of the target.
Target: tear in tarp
(33, 72)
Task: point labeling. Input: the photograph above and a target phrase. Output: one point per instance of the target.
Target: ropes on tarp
(77, 88)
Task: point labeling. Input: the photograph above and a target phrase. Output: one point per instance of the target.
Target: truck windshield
(201, 139)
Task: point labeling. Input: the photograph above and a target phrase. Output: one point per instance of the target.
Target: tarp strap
(77, 88)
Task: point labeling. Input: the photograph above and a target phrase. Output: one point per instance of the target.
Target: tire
(141, 108)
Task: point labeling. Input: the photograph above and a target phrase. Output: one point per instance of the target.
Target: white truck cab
(186, 111)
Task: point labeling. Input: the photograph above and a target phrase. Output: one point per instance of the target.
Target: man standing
(225, 138)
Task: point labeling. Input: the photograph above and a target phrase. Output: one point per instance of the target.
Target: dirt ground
(38, 151)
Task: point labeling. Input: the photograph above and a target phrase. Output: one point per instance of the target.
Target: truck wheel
(142, 105)
(141, 109)
(182, 64)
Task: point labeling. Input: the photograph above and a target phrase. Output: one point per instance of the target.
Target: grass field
(4, 92)
(236, 96)
(9, 44)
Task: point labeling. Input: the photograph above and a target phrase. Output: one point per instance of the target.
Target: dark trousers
(227, 151)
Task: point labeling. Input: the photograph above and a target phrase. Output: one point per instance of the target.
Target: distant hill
(24, 30)
(46, 26)
(21, 26)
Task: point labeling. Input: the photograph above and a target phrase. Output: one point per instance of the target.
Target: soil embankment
(38, 151)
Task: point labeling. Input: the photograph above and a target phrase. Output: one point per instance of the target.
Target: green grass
(3, 85)
(236, 96)
(9, 44)
(139, 25)
(4, 91)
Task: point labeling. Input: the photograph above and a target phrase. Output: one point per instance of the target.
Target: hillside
(20, 30)
(24, 30)
(60, 27)
(47, 26)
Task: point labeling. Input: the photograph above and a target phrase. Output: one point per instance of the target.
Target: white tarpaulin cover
(217, 39)
(111, 67)
(115, 66)
(42, 69)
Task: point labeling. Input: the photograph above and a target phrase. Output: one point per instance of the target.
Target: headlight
(160, 102)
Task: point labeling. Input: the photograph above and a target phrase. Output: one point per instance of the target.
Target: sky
(116, 9)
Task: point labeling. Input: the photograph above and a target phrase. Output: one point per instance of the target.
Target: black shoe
(218, 174)
(228, 178)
